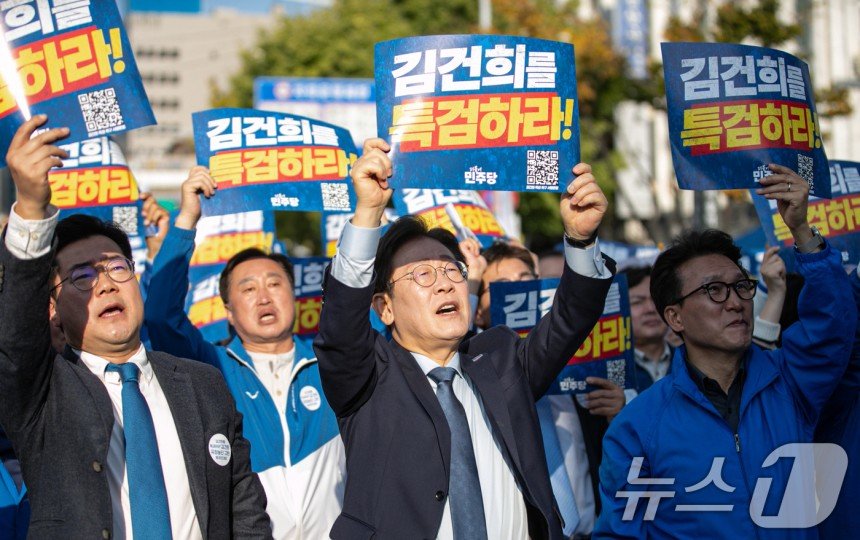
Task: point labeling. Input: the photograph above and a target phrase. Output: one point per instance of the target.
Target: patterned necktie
(561, 487)
(464, 486)
(150, 516)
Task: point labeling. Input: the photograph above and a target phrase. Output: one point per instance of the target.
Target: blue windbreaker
(300, 459)
(680, 438)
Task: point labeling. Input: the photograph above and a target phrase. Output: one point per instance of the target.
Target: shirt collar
(705, 383)
(640, 357)
(428, 365)
(97, 365)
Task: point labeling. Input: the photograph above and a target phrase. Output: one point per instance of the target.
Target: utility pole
(485, 15)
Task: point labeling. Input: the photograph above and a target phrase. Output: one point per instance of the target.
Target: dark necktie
(464, 486)
(150, 516)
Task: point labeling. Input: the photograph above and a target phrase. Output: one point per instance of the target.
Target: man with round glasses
(115, 441)
(701, 445)
(440, 427)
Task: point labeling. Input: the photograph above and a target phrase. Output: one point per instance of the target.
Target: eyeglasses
(425, 274)
(84, 278)
(718, 291)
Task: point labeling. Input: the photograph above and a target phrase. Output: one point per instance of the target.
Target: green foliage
(760, 22)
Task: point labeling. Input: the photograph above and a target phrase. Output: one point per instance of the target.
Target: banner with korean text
(309, 273)
(73, 62)
(733, 109)
(837, 219)
(218, 239)
(96, 180)
(273, 161)
(606, 353)
(460, 211)
(332, 224)
(478, 112)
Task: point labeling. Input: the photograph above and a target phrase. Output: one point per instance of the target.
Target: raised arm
(816, 349)
(345, 343)
(168, 325)
(582, 291)
(26, 356)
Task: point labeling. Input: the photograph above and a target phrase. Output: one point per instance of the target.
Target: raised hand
(607, 401)
(791, 193)
(154, 214)
(199, 182)
(583, 205)
(476, 262)
(29, 159)
(370, 174)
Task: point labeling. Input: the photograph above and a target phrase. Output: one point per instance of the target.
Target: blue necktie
(150, 516)
(464, 486)
(561, 487)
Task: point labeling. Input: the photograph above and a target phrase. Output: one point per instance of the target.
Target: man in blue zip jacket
(295, 446)
(688, 458)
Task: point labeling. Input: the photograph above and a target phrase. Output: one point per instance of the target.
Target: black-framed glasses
(85, 277)
(718, 291)
(425, 274)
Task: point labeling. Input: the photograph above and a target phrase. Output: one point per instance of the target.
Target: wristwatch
(582, 244)
(811, 245)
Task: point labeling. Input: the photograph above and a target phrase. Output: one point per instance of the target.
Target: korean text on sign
(607, 352)
(218, 238)
(735, 108)
(73, 62)
(269, 160)
(480, 112)
(308, 274)
(435, 207)
(837, 219)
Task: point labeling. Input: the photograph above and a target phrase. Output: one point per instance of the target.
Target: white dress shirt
(30, 239)
(504, 507)
(657, 369)
(572, 443)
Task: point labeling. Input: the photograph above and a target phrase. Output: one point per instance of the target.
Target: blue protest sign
(332, 224)
(309, 273)
(478, 112)
(460, 211)
(733, 109)
(273, 161)
(96, 180)
(73, 62)
(606, 353)
(218, 239)
(838, 219)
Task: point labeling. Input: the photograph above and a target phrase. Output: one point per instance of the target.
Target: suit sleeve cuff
(587, 262)
(30, 238)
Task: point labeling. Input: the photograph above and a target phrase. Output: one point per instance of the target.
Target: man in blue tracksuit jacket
(840, 424)
(700, 436)
(295, 445)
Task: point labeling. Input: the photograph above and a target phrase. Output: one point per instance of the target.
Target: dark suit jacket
(58, 416)
(397, 440)
(593, 429)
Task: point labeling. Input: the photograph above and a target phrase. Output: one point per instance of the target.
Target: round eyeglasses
(85, 277)
(425, 274)
(718, 291)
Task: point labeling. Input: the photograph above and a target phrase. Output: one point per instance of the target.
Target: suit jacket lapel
(99, 395)
(487, 382)
(180, 396)
(422, 390)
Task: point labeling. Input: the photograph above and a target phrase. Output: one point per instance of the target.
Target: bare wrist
(186, 221)
(368, 218)
(32, 211)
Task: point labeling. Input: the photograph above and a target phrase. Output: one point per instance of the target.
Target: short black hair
(78, 227)
(636, 274)
(665, 282)
(500, 251)
(402, 231)
(247, 255)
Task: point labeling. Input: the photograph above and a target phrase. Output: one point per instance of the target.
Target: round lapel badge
(219, 449)
(310, 397)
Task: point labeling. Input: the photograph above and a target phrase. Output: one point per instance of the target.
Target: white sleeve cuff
(30, 238)
(588, 261)
(766, 330)
(356, 253)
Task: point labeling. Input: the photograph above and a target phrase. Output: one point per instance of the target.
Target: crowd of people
(123, 421)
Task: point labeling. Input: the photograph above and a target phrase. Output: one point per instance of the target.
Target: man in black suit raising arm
(115, 441)
(440, 429)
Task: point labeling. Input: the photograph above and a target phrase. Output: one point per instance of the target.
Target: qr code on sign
(101, 111)
(126, 218)
(542, 168)
(806, 170)
(616, 371)
(334, 196)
